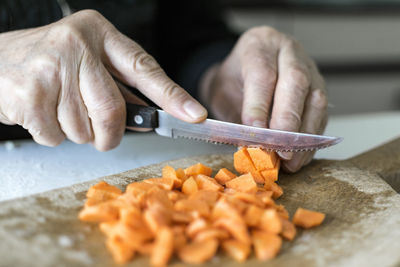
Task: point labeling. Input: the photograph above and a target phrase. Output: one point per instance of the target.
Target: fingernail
(285, 155)
(194, 109)
(258, 123)
(295, 164)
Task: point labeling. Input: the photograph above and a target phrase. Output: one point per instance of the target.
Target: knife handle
(141, 116)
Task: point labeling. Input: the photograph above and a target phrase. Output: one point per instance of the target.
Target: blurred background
(356, 44)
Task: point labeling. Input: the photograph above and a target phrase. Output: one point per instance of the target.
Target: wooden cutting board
(362, 226)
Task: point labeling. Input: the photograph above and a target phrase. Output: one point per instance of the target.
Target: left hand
(268, 81)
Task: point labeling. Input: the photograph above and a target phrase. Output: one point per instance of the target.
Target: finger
(259, 72)
(291, 91)
(104, 102)
(313, 121)
(72, 113)
(132, 65)
(40, 117)
(131, 98)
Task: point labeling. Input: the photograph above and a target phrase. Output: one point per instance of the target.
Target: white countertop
(29, 168)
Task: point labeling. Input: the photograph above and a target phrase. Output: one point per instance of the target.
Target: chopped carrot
(120, 252)
(213, 233)
(277, 191)
(165, 183)
(237, 250)
(249, 198)
(198, 252)
(169, 173)
(224, 175)
(181, 217)
(266, 245)
(243, 183)
(272, 174)
(205, 182)
(163, 247)
(101, 192)
(258, 177)
(189, 186)
(307, 218)
(262, 159)
(209, 197)
(237, 229)
(283, 213)
(103, 212)
(193, 205)
(198, 169)
(242, 161)
(270, 221)
(288, 229)
(146, 248)
(253, 215)
(180, 173)
(196, 226)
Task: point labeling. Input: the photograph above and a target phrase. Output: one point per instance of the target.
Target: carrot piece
(266, 198)
(139, 189)
(237, 229)
(209, 197)
(132, 216)
(198, 169)
(181, 217)
(224, 209)
(253, 215)
(224, 175)
(207, 183)
(249, 198)
(307, 218)
(156, 217)
(261, 158)
(243, 183)
(258, 177)
(270, 185)
(102, 192)
(165, 183)
(270, 221)
(196, 226)
(189, 186)
(242, 161)
(288, 229)
(266, 245)
(175, 195)
(131, 237)
(107, 228)
(103, 212)
(283, 213)
(120, 252)
(170, 173)
(237, 250)
(272, 174)
(146, 248)
(180, 173)
(213, 233)
(193, 205)
(163, 247)
(198, 252)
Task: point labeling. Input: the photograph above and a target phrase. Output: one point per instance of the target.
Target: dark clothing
(185, 36)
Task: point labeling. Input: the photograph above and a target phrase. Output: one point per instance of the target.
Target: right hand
(57, 82)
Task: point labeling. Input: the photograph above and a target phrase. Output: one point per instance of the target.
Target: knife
(225, 132)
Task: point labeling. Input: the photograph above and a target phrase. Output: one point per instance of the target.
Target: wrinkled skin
(64, 80)
(268, 81)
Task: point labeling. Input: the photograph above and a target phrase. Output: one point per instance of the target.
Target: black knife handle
(141, 116)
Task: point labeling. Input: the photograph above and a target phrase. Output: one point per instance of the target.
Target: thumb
(134, 66)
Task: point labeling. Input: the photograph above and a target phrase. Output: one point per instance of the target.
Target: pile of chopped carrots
(190, 214)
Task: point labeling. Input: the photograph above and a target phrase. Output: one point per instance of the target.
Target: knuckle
(263, 31)
(89, 14)
(67, 34)
(45, 66)
(144, 63)
(319, 100)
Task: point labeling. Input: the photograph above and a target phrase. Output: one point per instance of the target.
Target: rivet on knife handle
(141, 116)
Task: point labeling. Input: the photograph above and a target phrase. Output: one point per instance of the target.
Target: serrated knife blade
(225, 132)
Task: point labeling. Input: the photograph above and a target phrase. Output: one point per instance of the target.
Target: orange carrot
(307, 218)
(163, 247)
(272, 174)
(198, 169)
(189, 186)
(266, 245)
(198, 252)
(120, 252)
(288, 229)
(262, 159)
(242, 161)
(224, 175)
(237, 250)
(205, 182)
(243, 183)
(101, 192)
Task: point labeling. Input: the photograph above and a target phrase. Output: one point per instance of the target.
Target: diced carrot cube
(277, 191)
(307, 218)
(198, 169)
(237, 250)
(282, 212)
(272, 174)
(163, 247)
(196, 226)
(180, 239)
(101, 192)
(132, 216)
(242, 161)
(120, 252)
(209, 197)
(207, 183)
(258, 177)
(249, 198)
(224, 209)
(243, 183)
(181, 217)
(189, 186)
(193, 205)
(253, 215)
(175, 195)
(224, 175)
(146, 248)
(266, 245)
(134, 238)
(262, 159)
(107, 228)
(156, 217)
(180, 173)
(288, 229)
(103, 212)
(198, 252)
(270, 221)
(169, 173)
(238, 229)
(165, 183)
(213, 233)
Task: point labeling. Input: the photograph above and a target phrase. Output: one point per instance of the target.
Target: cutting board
(362, 226)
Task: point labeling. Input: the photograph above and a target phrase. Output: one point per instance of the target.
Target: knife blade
(225, 132)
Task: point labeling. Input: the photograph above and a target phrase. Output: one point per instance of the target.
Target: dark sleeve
(192, 35)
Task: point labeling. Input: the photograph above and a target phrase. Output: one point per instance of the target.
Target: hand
(57, 81)
(268, 81)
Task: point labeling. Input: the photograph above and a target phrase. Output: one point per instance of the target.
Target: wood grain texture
(362, 227)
